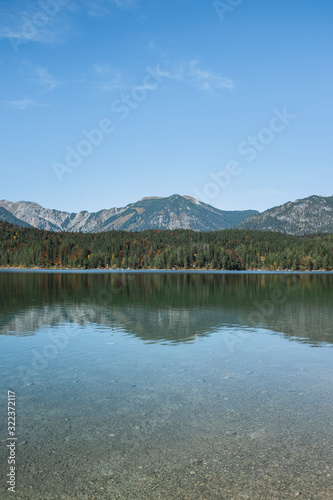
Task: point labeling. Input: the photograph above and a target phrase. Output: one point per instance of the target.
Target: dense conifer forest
(229, 249)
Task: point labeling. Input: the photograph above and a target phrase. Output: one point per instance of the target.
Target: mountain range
(174, 212)
(306, 216)
(310, 215)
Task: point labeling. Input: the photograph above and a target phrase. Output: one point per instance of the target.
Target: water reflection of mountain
(172, 308)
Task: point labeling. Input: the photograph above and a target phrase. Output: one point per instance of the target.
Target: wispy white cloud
(104, 77)
(102, 69)
(23, 104)
(37, 82)
(97, 8)
(152, 45)
(111, 84)
(190, 72)
(27, 21)
(124, 3)
(52, 22)
(147, 86)
(103, 8)
(44, 78)
(208, 80)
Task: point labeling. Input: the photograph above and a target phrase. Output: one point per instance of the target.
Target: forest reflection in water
(170, 307)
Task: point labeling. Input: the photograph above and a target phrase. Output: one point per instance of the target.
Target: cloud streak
(23, 22)
(23, 104)
(49, 22)
(102, 8)
(190, 72)
(37, 77)
(106, 78)
(44, 78)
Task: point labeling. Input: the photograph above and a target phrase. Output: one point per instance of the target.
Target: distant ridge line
(310, 215)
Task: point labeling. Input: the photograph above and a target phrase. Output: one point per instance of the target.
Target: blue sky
(104, 102)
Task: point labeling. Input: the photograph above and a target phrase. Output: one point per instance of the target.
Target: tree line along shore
(229, 249)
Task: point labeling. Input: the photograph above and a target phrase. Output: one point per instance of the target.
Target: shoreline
(156, 271)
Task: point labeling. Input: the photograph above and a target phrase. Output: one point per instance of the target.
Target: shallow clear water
(168, 386)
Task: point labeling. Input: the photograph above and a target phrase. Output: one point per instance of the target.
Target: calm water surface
(168, 386)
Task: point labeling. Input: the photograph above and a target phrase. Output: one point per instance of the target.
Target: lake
(168, 385)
